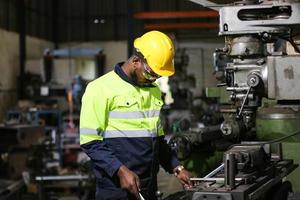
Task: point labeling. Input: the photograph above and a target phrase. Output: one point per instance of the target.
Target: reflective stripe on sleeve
(88, 138)
(134, 115)
(90, 131)
(119, 133)
(160, 132)
(129, 133)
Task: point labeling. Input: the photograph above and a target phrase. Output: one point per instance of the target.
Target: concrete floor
(167, 183)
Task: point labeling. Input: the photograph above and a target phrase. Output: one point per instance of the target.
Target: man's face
(143, 75)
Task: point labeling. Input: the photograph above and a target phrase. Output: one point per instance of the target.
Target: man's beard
(135, 79)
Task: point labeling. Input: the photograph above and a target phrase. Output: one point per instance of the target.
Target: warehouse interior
(231, 111)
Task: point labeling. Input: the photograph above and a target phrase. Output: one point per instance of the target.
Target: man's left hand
(184, 178)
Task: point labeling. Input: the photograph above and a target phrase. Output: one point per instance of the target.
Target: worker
(77, 90)
(120, 128)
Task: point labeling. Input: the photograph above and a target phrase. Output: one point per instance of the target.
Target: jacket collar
(118, 70)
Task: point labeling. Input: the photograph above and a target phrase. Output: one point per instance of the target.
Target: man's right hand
(129, 181)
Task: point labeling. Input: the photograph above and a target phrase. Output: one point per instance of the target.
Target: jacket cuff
(114, 167)
(174, 163)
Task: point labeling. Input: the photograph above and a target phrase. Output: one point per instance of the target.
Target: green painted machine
(279, 121)
(254, 65)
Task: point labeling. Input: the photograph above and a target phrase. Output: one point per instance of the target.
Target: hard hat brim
(163, 72)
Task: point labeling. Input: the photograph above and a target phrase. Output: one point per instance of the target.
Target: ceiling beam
(192, 25)
(175, 14)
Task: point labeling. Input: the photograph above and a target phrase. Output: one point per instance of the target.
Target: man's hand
(129, 181)
(184, 177)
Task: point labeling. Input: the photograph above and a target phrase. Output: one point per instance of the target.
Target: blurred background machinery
(40, 159)
(40, 152)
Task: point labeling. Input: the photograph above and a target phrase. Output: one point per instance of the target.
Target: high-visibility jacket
(120, 125)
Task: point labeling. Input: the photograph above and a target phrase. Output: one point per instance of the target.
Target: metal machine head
(259, 17)
(256, 61)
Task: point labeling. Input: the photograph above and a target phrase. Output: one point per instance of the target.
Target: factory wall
(200, 58)
(9, 65)
(114, 51)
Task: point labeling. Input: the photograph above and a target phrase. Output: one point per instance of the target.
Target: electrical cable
(283, 138)
(291, 41)
(268, 142)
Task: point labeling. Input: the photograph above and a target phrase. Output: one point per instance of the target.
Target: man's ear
(135, 59)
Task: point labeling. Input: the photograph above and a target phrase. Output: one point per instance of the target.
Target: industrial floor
(167, 183)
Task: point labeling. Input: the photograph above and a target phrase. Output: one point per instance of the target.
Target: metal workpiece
(230, 170)
(249, 157)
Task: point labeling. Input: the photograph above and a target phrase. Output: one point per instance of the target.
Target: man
(120, 127)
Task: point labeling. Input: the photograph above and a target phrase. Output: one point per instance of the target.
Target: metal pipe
(212, 179)
(241, 96)
(215, 171)
(237, 89)
(61, 178)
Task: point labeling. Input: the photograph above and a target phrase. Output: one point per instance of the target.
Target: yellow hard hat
(158, 49)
